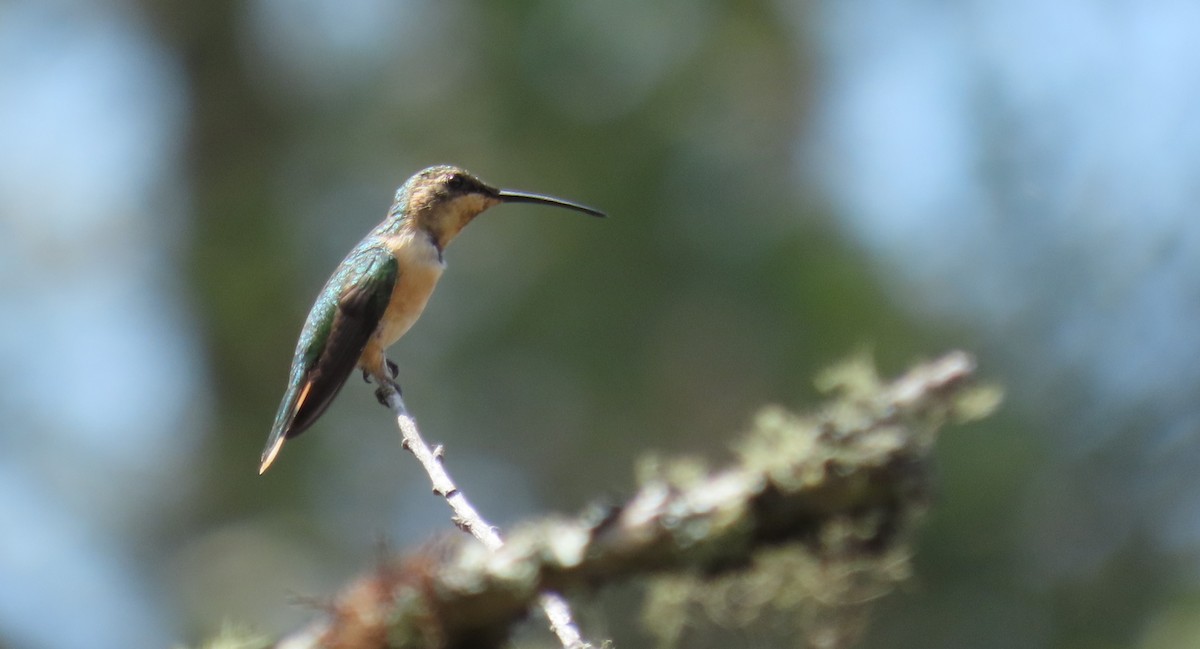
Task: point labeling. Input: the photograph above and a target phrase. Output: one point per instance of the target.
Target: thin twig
(557, 610)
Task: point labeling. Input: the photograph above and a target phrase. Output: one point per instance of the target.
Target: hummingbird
(380, 289)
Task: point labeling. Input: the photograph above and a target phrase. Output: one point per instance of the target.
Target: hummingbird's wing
(334, 336)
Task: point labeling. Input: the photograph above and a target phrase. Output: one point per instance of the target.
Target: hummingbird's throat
(443, 221)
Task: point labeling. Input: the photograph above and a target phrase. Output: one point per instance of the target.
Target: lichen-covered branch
(812, 515)
(468, 519)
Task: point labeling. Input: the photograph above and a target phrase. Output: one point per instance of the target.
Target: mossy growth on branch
(809, 523)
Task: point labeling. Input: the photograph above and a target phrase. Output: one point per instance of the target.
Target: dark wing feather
(334, 336)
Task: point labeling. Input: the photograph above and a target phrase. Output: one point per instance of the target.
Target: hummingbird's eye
(457, 182)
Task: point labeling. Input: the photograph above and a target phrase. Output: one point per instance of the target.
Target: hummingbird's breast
(420, 267)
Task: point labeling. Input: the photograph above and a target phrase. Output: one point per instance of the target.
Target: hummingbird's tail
(310, 394)
(273, 449)
(269, 453)
(274, 444)
(283, 427)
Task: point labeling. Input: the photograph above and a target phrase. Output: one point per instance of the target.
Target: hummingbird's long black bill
(510, 196)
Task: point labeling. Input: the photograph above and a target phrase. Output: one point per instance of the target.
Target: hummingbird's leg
(383, 374)
(381, 371)
(393, 369)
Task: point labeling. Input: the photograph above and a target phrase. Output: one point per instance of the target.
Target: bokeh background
(788, 182)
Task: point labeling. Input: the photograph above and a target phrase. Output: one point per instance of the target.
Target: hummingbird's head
(442, 200)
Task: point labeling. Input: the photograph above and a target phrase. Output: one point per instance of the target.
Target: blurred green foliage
(560, 348)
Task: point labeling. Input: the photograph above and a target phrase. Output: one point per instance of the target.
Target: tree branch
(557, 610)
(812, 516)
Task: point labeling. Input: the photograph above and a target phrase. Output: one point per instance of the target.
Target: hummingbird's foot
(366, 376)
(393, 369)
(384, 389)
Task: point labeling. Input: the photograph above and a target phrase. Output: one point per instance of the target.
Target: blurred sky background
(788, 182)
